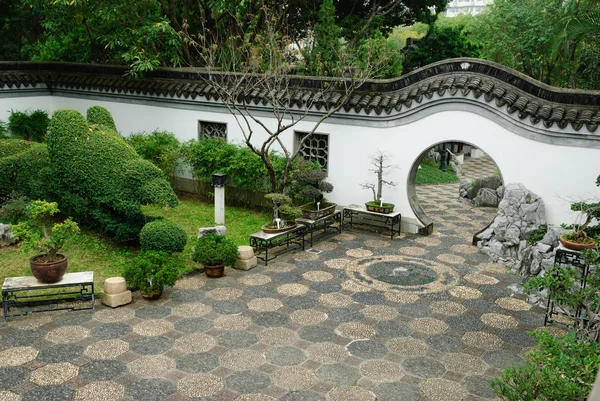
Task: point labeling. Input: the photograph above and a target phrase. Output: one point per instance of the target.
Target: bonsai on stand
(214, 252)
(151, 272)
(314, 185)
(382, 166)
(578, 239)
(284, 213)
(40, 232)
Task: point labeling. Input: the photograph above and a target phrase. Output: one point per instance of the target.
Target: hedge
(101, 116)
(24, 167)
(159, 147)
(100, 178)
(163, 235)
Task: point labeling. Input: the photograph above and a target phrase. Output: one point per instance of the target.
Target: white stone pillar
(220, 205)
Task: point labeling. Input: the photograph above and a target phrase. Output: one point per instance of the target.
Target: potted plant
(40, 231)
(284, 213)
(313, 186)
(214, 252)
(381, 164)
(578, 238)
(151, 272)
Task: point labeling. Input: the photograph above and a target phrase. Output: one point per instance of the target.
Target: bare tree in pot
(381, 163)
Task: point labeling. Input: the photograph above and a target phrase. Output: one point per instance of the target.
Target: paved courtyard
(358, 317)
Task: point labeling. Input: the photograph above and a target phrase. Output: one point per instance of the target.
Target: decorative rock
(491, 182)
(245, 252)
(220, 230)
(246, 264)
(6, 236)
(115, 285)
(465, 184)
(114, 300)
(486, 197)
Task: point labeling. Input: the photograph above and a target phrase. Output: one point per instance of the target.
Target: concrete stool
(246, 259)
(115, 292)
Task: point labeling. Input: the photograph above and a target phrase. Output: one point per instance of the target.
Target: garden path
(357, 317)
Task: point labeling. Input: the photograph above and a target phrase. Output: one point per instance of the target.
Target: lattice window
(207, 129)
(315, 148)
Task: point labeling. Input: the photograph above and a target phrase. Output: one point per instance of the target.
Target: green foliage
(29, 125)
(215, 250)
(278, 201)
(325, 55)
(24, 167)
(100, 179)
(208, 156)
(382, 56)
(430, 174)
(3, 129)
(163, 235)
(151, 271)
(535, 236)
(161, 148)
(440, 43)
(14, 209)
(314, 184)
(101, 116)
(39, 232)
(558, 368)
(588, 212)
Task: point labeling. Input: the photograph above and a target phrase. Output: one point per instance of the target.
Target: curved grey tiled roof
(497, 85)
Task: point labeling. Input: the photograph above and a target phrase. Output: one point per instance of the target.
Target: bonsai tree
(214, 250)
(283, 209)
(151, 272)
(381, 164)
(40, 231)
(314, 185)
(589, 212)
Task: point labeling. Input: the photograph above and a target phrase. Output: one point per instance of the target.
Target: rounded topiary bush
(101, 116)
(163, 235)
(215, 250)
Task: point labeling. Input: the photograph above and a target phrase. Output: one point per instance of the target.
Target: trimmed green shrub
(24, 167)
(215, 250)
(101, 179)
(163, 235)
(208, 156)
(159, 147)
(3, 129)
(31, 126)
(101, 116)
(14, 209)
(151, 271)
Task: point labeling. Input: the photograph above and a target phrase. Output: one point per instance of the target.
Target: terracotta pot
(48, 272)
(289, 226)
(214, 271)
(386, 208)
(151, 296)
(576, 246)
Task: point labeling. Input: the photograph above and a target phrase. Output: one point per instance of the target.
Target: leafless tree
(381, 163)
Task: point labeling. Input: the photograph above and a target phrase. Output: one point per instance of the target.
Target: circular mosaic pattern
(407, 346)
(413, 251)
(480, 279)
(465, 364)
(513, 304)
(325, 246)
(402, 273)
(8, 396)
(190, 310)
(106, 349)
(401, 297)
(376, 243)
(292, 289)
(353, 286)
(151, 366)
(337, 263)
(100, 391)
(195, 342)
(190, 283)
(355, 330)
(328, 352)
(54, 374)
(200, 385)
(232, 322)
(350, 394)
(308, 317)
(463, 292)
(429, 241)
(450, 258)
(113, 315)
(153, 327)
(465, 249)
(359, 253)
(264, 304)
(448, 308)
(382, 371)
(67, 334)
(317, 276)
(428, 325)
(335, 300)
(242, 359)
(345, 237)
(30, 322)
(492, 268)
(17, 356)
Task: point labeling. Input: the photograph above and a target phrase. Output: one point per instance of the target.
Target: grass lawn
(90, 251)
(430, 174)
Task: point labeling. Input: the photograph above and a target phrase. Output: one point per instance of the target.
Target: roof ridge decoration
(521, 96)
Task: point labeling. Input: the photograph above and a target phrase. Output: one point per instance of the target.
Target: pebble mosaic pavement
(362, 318)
